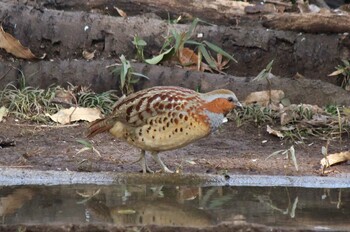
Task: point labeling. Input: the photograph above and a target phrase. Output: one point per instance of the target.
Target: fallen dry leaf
(88, 55)
(121, 12)
(63, 96)
(264, 98)
(336, 73)
(221, 63)
(13, 46)
(274, 132)
(74, 114)
(3, 112)
(335, 158)
(189, 59)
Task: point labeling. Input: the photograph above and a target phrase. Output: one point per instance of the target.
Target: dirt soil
(232, 149)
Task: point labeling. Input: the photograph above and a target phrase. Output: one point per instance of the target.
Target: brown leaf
(88, 55)
(336, 73)
(335, 158)
(63, 96)
(13, 46)
(264, 98)
(189, 59)
(73, 114)
(121, 12)
(220, 63)
(274, 132)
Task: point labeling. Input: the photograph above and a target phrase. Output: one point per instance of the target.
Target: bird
(163, 118)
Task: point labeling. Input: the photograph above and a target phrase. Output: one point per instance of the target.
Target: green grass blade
(139, 42)
(191, 29)
(85, 143)
(219, 50)
(274, 153)
(269, 66)
(192, 42)
(207, 57)
(159, 58)
(140, 75)
(179, 40)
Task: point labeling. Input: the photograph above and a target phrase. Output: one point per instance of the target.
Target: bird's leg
(156, 157)
(144, 165)
(143, 161)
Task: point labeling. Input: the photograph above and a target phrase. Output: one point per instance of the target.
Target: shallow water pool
(303, 208)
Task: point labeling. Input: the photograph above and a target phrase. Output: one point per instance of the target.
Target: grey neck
(215, 119)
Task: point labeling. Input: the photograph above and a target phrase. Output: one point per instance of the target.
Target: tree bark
(219, 11)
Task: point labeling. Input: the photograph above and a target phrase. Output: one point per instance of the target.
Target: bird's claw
(166, 170)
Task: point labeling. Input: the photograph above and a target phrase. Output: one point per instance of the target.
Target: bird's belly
(162, 137)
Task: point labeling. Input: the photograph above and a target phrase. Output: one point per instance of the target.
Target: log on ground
(94, 73)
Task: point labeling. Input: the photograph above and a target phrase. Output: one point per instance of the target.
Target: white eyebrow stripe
(215, 96)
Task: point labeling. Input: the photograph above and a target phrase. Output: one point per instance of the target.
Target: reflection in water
(10, 203)
(169, 205)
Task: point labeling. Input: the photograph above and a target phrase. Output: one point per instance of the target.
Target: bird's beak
(238, 105)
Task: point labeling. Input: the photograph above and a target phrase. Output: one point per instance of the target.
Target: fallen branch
(302, 90)
(310, 23)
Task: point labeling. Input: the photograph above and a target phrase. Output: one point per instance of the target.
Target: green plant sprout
(139, 45)
(127, 76)
(176, 41)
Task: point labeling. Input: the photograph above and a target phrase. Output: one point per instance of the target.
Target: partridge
(164, 118)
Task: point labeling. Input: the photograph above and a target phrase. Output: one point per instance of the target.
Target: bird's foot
(165, 169)
(142, 160)
(147, 170)
(160, 162)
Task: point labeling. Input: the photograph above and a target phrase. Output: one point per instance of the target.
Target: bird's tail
(99, 126)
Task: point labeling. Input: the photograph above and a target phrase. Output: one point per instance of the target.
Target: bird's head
(220, 101)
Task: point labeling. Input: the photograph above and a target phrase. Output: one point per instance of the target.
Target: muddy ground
(232, 149)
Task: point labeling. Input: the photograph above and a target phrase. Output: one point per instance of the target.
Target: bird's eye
(230, 99)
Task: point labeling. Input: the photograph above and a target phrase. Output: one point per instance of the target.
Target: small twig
(279, 3)
(48, 126)
(3, 76)
(62, 103)
(19, 166)
(340, 124)
(76, 105)
(112, 65)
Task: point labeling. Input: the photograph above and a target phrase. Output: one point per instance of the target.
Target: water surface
(309, 208)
